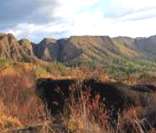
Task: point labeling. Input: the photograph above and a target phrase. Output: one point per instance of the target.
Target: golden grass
(19, 105)
(7, 121)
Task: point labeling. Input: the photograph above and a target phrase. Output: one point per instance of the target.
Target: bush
(4, 62)
(18, 96)
(40, 71)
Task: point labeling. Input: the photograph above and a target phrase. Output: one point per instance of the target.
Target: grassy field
(20, 107)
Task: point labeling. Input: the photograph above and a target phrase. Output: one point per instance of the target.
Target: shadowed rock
(116, 96)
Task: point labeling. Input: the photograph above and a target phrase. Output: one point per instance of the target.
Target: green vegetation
(127, 67)
(50, 69)
(4, 62)
(40, 71)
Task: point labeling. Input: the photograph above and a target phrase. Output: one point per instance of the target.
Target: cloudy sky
(35, 19)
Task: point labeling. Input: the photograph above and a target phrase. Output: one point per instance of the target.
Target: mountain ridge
(78, 49)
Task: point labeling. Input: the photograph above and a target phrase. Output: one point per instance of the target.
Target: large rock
(47, 49)
(15, 50)
(116, 97)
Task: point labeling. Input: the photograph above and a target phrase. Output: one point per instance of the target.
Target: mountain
(46, 50)
(97, 49)
(127, 47)
(147, 46)
(76, 49)
(15, 50)
(79, 49)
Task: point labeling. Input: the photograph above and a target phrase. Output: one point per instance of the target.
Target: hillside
(120, 53)
(31, 73)
(119, 56)
(147, 46)
(15, 50)
(99, 49)
(22, 109)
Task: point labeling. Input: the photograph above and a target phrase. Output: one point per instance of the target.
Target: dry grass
(19, 98)
(87, 116)
(7, 121)
(19, 105)
(90, 116)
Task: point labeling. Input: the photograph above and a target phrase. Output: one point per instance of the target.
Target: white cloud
(32, 31)
(140, 15)
(97, 24)
(68, 9)
(136, 18)
(66, 12)
(132, 5)
(82, 17)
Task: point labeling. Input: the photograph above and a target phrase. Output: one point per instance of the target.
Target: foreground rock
(117, 97)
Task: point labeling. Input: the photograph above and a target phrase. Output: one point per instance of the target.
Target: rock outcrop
(15, 50)
(78, 49)
(116, 97)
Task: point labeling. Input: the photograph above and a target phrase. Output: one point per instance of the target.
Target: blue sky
(35, 19)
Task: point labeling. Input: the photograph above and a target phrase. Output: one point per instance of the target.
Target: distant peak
(10, 35)
(2, 34)
(153, 37)
(25, 42)
(88, 36)
(48, 41)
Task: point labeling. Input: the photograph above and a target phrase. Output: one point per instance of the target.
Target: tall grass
(85, 115)
(20, 107)
(18, 96)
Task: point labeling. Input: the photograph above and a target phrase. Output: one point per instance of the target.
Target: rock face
(101, 49)
(26, 49)
(147, 46)
(47, 49)
(78, 49)
(10, 48)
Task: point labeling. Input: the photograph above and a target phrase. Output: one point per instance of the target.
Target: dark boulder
(117, 97)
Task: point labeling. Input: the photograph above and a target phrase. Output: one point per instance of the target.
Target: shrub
(7, 121)
(40, 71)
(19, 98)
(4, 62)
